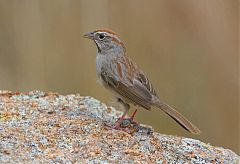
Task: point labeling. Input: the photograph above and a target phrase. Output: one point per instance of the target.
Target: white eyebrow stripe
(102, 32)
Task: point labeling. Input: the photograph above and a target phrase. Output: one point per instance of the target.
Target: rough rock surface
(38, 127)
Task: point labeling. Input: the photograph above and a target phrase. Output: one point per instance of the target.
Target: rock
(40, 127)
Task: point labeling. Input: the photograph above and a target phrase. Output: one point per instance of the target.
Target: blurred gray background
(188, 48)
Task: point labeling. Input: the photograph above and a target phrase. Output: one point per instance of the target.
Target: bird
(128, 83)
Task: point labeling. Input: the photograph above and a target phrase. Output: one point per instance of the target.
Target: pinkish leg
(133, 115)
(117, 124)
(119, 121)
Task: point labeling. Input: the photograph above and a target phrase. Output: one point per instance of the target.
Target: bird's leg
(120, 120)
(118, 123)
(133, 115)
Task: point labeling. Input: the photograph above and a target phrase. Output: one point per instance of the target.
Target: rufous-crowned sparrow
(120, 74)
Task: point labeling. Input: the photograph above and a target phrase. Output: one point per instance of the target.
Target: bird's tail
(179, 118)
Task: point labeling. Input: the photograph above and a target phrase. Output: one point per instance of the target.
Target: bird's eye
(101, 36)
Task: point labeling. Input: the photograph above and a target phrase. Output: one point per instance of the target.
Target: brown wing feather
(133, 73)
(146, 83)
(128, 92)
(132, 85)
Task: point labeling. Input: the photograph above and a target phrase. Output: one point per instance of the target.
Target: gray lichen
(50, 128)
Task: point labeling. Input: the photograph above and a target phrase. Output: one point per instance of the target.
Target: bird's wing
(132, 85)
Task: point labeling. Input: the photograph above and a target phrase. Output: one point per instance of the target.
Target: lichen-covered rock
(40, 127)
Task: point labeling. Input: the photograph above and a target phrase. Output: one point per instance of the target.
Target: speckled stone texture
(38, 127)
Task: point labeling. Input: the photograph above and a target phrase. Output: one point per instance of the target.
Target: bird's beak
(89, 35)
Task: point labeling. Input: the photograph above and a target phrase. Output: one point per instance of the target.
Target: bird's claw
(119, 127)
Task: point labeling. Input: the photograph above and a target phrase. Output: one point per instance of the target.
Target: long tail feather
(179, 118)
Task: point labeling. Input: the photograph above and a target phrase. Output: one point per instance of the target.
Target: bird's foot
(128, 121)
(129, 126)
(119, 127)
(126, 125)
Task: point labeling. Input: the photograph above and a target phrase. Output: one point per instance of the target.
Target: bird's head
(106, 41)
